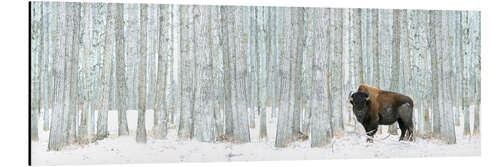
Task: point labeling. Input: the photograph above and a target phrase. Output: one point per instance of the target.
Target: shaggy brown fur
(385, 108)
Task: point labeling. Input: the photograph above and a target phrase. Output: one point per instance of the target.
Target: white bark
(103, 103)
(320, 129)
(56, 138)
(141, 136)
(120, 71)
(187, 73)
(204, 121)
(240, 114)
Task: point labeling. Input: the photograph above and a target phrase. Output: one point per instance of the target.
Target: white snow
(119, 150)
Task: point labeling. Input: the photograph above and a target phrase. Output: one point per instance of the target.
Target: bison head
(360, 102)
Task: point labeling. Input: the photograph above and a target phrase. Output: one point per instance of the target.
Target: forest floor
(119, 150)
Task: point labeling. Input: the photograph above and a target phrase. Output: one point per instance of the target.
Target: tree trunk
(226, 19)
(56, 136)
(240, 115)
(120, 72)
(465, 54)
(141, 136)
(477, 63)
(187, 78)
(204, 121)
(35, 56)
(285, 114)
(338, 20)
(434, 23)
(103, 104)
(395, 59)
(320, 130)
(83, 137)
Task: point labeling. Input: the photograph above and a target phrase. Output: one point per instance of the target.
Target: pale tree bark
(320, 130)
(204, 121)
(260, 48)
(103, 104)
(56, 136)
(152, 52)
(465, 52)
(338, 20)
(216, 50)
(395, 59)
(269, 53)
(172, 102)
(35, 41)
(68, 43)
(477, 56)
(75, 37)
(269, 87)
(132, 24)
(252, 50)
(227, 20)
(141, 136)
(161, 80)
(358, 41)
(97, 50)
(434, 23)
(309, 39)
(120, 71)
(278, 50)
(376, 47)
(46, 71)
(83, 137)
(426, 41)
(240, 114)
(298, 15)
(458, 69)
(187, 73)
(285, 114)
(446, 82)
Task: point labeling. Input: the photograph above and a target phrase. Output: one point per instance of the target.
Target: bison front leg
(370, 132)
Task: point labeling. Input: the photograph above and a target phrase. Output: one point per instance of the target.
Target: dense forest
(210, 72)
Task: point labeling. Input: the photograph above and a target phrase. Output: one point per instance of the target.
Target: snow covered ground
(119, 150)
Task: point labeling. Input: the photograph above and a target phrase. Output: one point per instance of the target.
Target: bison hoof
(369, 140)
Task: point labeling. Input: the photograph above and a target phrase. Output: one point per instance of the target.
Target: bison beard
(373, 107)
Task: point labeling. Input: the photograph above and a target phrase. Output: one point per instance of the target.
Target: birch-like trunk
(141, 136)
(240, 114)
(320, 130)
(434, 23)
(103, 104)
(121, 71)
(35, 56)
(285, 115)
(187, 72)
(204, 121)
(477, 63)
(227, 20)
(395, 59)
(56, 136)
(83, 136)
(338, 76)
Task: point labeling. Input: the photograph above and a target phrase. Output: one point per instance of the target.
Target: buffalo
(373, 107)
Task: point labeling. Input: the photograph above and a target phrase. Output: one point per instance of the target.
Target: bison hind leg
(403, 128)
(406, 114)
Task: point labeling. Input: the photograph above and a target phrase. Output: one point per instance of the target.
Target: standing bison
(374, 107)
